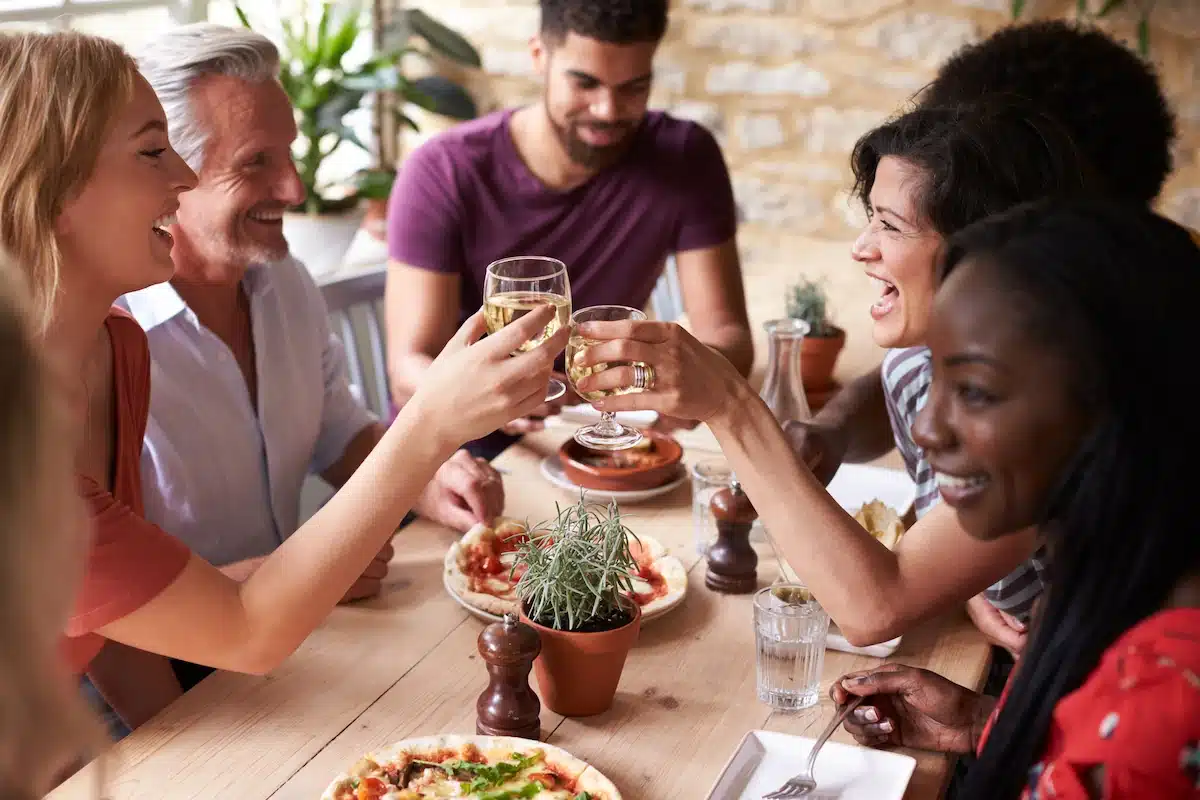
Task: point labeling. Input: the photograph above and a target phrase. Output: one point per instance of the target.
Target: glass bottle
(783, 388)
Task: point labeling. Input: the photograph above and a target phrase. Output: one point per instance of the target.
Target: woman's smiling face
(1004, 418)
(899, 250)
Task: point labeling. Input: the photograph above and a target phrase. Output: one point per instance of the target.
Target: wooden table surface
(406, 664)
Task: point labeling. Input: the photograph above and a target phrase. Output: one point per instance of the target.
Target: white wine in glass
(516, 286)
(607, 434)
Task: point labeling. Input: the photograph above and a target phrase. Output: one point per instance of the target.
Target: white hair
(174, 61)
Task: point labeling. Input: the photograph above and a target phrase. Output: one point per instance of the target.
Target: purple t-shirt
(465, 199)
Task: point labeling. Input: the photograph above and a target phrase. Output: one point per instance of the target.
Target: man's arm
(710, 280)
(422, 312)
(859, 412)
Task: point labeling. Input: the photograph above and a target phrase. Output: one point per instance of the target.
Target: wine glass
(607, 434)
(515, 286)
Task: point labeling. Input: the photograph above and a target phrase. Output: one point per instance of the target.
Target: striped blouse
(907, 377)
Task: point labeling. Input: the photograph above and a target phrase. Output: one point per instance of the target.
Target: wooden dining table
(406, 664)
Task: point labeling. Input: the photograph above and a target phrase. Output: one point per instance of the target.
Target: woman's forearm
(873, 593)
(853, 574)
(207, 618)
(311, 571)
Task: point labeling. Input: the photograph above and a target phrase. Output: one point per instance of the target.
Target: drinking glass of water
(789, 635)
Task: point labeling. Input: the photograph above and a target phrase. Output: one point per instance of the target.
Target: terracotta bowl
(624, 470)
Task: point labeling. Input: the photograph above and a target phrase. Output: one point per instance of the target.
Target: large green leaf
(381, 80)
(345, 37)
(241, 15)
(442, 96)
(1017, 7)
(441, 39)
(342, 101)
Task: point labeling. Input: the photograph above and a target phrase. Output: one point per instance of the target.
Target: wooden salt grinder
(509, 706)
(732, 562)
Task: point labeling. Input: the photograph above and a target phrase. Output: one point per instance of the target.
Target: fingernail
(886, 726)
(871, 715)
(858, 681)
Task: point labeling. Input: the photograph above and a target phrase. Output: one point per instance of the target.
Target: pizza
(479, 569)
(881, 521)
(471, 768)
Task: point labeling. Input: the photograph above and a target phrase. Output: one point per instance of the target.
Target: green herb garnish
(486, 776)
(578, 567)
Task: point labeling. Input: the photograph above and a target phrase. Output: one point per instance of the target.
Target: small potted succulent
(824, 342)
(576, 593)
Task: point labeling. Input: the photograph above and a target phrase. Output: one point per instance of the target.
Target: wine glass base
(554, 390)
(592, 436)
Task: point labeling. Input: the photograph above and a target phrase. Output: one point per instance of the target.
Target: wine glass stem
(608, 424)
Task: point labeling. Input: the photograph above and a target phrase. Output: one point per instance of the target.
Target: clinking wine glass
(515, 286)
(607, 434)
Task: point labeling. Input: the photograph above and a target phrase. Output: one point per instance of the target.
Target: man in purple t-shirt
(587, 175)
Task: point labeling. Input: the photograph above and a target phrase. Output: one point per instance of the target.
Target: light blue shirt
(216, 474)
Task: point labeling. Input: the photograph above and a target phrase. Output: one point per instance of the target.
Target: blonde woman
(43, 723)
(88, 181)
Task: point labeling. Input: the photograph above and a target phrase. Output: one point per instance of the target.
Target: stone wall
(788, 85)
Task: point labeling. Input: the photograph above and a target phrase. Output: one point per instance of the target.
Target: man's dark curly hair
(613, 21)
(1108, 99)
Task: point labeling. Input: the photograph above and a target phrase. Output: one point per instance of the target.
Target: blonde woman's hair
(45, 727)
(59, 92)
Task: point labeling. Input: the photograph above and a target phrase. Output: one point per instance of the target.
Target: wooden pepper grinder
(509, 706)
(732, 562)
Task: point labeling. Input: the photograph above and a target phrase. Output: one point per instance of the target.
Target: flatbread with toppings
(479, 570)
(471, 768)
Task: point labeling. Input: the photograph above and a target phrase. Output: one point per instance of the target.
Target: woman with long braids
(1058, 335)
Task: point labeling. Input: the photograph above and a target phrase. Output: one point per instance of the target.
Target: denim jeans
(117, 729)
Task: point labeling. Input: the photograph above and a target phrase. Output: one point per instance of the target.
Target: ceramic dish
(646, 466)
(552, 471)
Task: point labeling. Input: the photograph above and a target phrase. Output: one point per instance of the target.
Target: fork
(803, 784)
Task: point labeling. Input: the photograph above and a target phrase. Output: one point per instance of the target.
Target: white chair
(354, 309)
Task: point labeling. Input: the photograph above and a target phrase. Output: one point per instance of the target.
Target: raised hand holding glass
(515, 286)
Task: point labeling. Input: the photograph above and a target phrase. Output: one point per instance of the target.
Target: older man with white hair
(249, 387)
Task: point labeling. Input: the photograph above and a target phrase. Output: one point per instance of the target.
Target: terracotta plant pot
(818, 356)
(577, 673)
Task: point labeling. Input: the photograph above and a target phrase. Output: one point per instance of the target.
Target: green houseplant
(575, 592)
(819, 352)
(324, 86)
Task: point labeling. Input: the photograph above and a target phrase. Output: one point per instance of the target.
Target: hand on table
(822, 447)
(370, 582)
(911, 707)
(999, 628)
(690, 381)
(535, 421)
(465, 491)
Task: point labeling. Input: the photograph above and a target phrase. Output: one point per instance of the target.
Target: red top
(1137, 714)
(131, 560)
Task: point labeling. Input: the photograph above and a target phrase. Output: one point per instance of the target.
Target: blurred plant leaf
(374, 184)
(441, 39)
(442, 96)
(1109, 5)
(1017, 7)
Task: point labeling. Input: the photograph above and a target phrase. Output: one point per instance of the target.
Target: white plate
(552, 471)
(671, 604)
(857, 484)
(765, 760)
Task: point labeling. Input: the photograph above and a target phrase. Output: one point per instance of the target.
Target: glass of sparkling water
(789, 634)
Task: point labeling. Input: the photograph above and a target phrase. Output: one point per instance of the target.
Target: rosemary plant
(577, 567)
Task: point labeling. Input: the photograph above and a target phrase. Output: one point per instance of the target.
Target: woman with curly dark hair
(1057, 335)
